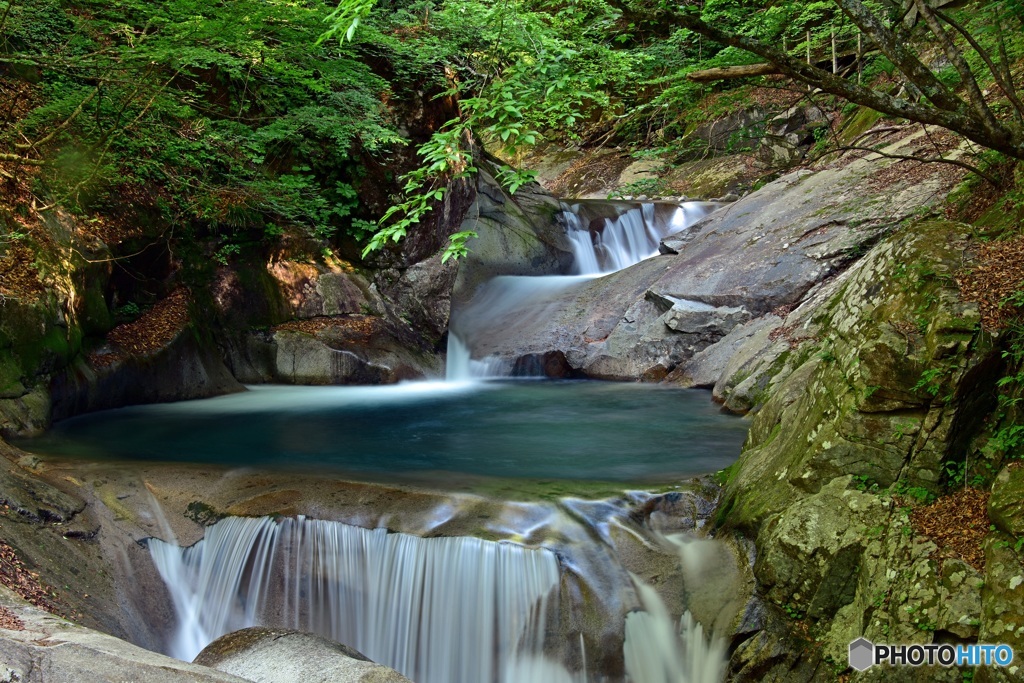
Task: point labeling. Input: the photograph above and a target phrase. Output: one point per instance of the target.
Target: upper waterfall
(604, 244)
(605, 237)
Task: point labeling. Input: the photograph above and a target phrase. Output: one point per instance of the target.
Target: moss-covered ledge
(893, 389)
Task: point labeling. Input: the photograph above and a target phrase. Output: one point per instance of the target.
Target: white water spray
(460, 367)
(439, 610)
(660, 650)
(627, 239)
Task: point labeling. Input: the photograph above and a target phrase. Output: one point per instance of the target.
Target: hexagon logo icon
(862, 654)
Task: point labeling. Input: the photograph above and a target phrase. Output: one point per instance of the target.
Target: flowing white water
(631, 237)
(460, 367)
(439, 610)
(658, 650)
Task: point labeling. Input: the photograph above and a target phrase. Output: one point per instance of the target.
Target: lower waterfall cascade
(438, 610)
(451, 609)
(481, 605)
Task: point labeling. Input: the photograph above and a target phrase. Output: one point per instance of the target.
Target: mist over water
(527, 429)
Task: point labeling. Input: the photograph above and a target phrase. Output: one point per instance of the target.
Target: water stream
(452, 609)
(600, 245)
(439, 610)
(550, 597)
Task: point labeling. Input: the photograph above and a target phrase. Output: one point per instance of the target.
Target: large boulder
(877, 394)
(869, 392)
(270, 655)
(43, 648)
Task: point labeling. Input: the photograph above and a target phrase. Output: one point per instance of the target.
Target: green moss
(835, 414)
(859, 123)
(10, 376)
(203, 514)
(94, 316)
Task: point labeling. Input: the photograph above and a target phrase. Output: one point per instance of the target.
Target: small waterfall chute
(600, 245)
(628, 238)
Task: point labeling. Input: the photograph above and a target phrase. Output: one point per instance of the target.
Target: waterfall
(659, 651)
(439, 610)
(459, 367)
(600, 245)
(606, 245)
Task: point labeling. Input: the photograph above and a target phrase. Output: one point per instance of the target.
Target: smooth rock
(770, 249)
(270, 655)
(695, 317)
(52, 650)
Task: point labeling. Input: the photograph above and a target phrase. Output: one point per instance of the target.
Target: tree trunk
(727, 72)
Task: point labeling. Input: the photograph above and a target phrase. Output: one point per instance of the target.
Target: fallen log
(725, 72)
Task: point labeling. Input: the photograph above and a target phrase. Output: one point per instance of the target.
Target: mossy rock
(885, 397)
(1002, 598)
(93, 313)
(859, 123)
(10, 376)
(710, 178)
(1006, 505)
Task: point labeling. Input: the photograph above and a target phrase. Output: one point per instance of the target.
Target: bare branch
(960, 64)
(992, 180)
(67, 122)
(1000, 72)
(875, 131)
(727, 72)
(7, 13)
(21, 160)
(895, 49)
(958, 117)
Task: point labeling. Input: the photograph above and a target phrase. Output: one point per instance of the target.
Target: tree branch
(954, 55)
(67, 122)
(1000, 72)
(727, 72)
(932, 88)
(960, 119)
(21, 160)
(992, 180)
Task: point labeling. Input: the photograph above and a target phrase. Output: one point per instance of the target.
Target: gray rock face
(267, 655)
(344, 350)
(694, 317)
(813, 553)
(767, 250)
(184, 369)
(517, 235)
(52, 650)
(877, 375)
